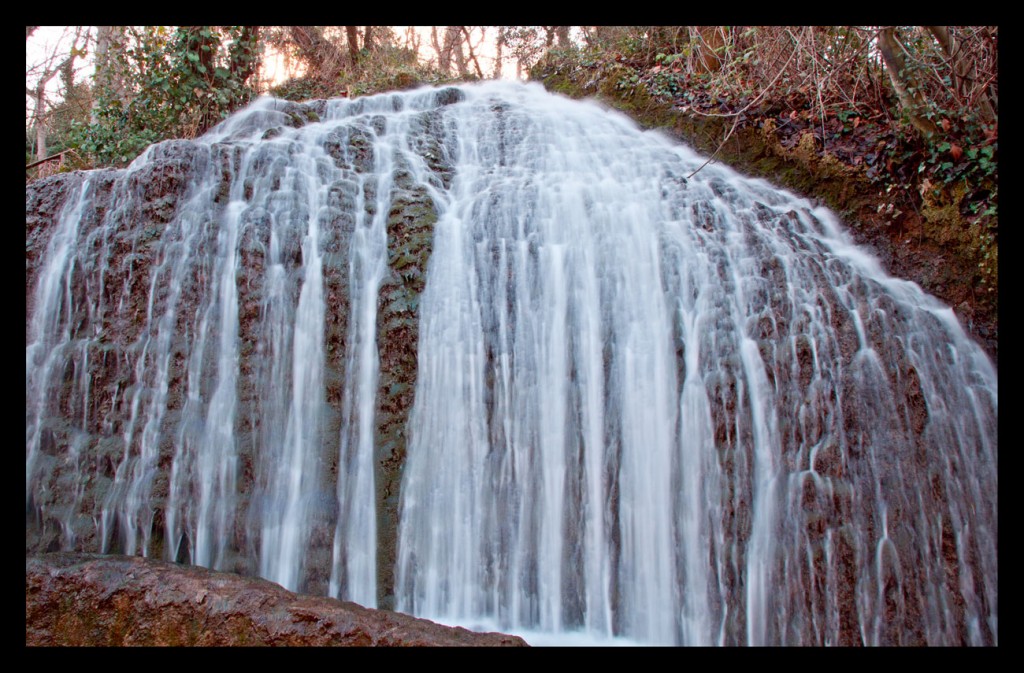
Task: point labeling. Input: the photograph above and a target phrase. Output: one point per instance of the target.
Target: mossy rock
(412, 215)
(940, 206)
(299, 114)
(449, 96)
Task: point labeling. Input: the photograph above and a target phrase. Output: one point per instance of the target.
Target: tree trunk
(39, 115)
(453, 47)
(497, 50)
(709, 41)
(353, 44)
(244, 57)
(909, 95)
(198, 37)
(199, 40)
(562, 33)
(412, 38)
(436, 44)
(444, 50)
(109, 77)
(472, 56)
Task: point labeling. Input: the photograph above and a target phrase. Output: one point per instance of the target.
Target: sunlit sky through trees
(49, 44)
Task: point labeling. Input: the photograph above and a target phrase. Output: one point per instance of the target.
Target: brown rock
(88, 599)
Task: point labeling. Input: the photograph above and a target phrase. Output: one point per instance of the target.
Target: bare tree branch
(479, 70)
(40, 113)
(964, 74)
(318, 52)
(453, 45)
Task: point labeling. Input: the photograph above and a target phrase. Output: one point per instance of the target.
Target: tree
(110, 76)
(56, 62)
(353, 44)
(529, 43)
(444, 49)
(155, 82)
(966, 61)
(498, 48)
(904, 83)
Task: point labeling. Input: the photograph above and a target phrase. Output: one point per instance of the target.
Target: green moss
(940, 206)
(410, 226)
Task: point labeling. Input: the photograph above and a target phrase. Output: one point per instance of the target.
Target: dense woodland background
(907, 114)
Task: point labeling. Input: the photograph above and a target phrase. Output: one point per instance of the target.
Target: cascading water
(650, 404)
(185, 323)
(681, 411)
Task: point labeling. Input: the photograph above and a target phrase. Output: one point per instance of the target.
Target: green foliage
(524, 42)
(667, 83)
(395, 75)
(628, 82)
(72, 110)
(959, 159)
(300, 89)
(963, 154)
(174, 83)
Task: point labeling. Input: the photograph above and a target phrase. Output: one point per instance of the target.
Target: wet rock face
(120, 393)
(90, 600)
(410, 230)
(44, 200)
(84, 415)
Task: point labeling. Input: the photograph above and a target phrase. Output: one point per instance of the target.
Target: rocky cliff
(132, 355)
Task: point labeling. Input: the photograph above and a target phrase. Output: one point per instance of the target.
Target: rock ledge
(89, 599)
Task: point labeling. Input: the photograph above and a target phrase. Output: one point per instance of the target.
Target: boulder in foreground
(85, 599)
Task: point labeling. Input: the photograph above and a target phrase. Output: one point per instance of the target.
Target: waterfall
(644, 403)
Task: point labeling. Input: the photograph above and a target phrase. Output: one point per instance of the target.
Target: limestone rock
(87, 599)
